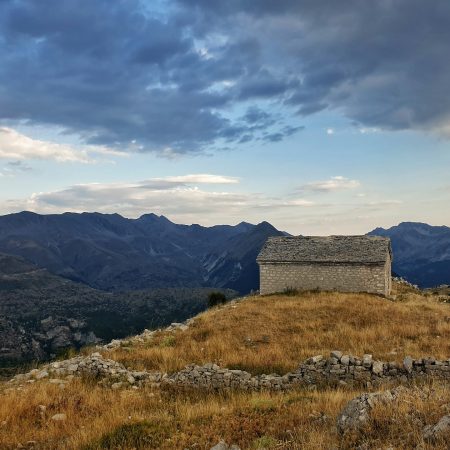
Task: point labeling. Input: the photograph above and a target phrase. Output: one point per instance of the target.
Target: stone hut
(341, 263)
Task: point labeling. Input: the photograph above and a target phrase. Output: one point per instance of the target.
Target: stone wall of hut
(372, 278)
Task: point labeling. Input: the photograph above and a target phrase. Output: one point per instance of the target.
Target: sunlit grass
(276, 333)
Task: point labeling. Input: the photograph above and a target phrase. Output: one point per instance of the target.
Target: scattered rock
(440, 430)
(59, 417)
(41, 374)
(408, 364)
(223, 446)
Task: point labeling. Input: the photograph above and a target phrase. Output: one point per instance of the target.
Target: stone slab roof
(329, 249)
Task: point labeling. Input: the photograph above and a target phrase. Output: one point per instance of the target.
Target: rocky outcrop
(356, 414)
(46, 338)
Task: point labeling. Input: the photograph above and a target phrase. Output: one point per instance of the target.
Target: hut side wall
(276, 277)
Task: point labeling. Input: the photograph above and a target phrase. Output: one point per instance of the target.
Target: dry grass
(275, 333)
(99, 418)
(261, 335)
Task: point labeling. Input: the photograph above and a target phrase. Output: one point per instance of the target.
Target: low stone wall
(211, 376)
(337, 369)
(341, 368)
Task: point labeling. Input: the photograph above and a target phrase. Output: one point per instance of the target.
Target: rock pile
(106, 371)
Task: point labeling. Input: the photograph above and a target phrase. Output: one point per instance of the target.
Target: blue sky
(319, 117)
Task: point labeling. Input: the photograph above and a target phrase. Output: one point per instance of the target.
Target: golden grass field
(261, 335)
(275, 333)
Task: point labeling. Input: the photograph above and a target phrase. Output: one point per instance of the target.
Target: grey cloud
(116, 72)
(112, 73)
(19, 166)
(382, 64)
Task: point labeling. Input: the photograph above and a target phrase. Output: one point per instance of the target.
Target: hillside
(111, 252)
(421, 252)
(42, 314)
(260, 335)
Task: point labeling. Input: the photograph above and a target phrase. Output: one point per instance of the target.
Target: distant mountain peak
(152, 217)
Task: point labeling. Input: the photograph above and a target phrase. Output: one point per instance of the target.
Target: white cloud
(298, 202)
(175, 197)
(201, 178)
(330, 131)
(19, 147)
(368, 130)
(337, 183)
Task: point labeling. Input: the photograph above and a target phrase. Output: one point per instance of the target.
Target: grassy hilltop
(259, 335)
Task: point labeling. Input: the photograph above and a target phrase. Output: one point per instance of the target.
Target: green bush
(216, 298)
(264, 442)
(290, 291)
(168, 341)
(263, 404)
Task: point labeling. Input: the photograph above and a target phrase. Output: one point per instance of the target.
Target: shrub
(138, 435)
(168, 341)
(290, 291)
(216, 298)
(264, 442)
(263, 404)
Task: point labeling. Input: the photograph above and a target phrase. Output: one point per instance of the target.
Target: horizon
(314, 117)
(219, 224)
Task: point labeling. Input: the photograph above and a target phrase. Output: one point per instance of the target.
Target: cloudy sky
(319, 116)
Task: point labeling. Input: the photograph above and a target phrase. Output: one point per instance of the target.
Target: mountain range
(113, 253)
(421, 252)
